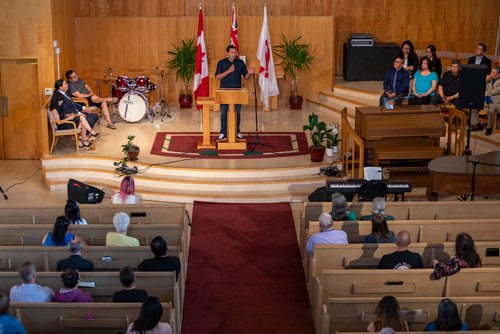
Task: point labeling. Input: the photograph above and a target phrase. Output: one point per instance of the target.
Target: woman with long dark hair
(60, 235)
(448, 318)
(410, 57)
(388, 315)
(424, 83)
(72, 213)
(465, 257)
(127, 192)
(380, 231)
(435, 64)
(149, 319)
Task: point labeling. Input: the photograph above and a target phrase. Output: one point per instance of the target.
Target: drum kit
(133, 96)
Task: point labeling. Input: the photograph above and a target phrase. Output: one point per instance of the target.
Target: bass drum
(133, 107)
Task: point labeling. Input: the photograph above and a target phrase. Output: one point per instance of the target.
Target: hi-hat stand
(161, 107)
(257, 138)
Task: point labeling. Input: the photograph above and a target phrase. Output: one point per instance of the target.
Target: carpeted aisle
(245, 274)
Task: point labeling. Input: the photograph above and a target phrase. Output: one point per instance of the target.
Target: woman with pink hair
(127, 192)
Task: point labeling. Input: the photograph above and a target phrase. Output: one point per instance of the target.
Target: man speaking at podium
(229, 72)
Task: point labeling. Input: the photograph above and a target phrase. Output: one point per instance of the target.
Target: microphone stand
(467, 150)
(474, 166)
(4, 195)
(257, 139)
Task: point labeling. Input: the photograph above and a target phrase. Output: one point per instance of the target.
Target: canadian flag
(201, 83)
(267, 76)
(233, 40)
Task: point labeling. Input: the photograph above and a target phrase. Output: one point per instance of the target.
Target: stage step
(361, 96)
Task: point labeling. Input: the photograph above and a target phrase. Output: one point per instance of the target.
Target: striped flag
(267, 76)
(201, 83)
(233, 40)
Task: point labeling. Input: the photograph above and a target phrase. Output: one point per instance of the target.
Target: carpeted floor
(271, 145)
(245, 273)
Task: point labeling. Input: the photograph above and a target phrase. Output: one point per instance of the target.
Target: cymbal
(106, 78)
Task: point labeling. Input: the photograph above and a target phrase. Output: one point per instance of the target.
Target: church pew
(341, 283)
(483, 282)
(157, 213)
(354, 314)
(83, 318)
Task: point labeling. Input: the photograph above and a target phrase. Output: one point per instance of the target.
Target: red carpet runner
(245, 274)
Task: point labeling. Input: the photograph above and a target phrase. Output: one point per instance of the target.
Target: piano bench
(406, 152)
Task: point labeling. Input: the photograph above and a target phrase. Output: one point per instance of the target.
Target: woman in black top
(410, 57)
(435, 64)
(129, 294)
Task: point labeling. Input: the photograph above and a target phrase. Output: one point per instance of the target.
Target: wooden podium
(231, 96)
(206, 102)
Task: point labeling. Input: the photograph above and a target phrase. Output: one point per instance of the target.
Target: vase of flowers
(332, 140)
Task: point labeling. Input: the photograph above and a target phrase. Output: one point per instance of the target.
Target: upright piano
(406, 127)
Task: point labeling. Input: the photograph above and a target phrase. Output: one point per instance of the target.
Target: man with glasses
(79, 89)
(396, 82)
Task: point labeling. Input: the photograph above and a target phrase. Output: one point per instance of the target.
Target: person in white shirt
(29, 291)
(127, 192)
(327, 235)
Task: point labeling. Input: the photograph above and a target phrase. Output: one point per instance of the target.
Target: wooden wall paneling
(63, 14)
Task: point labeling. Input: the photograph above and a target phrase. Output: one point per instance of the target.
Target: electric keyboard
(350, 187)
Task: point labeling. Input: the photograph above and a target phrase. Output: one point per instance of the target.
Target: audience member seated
(402, 258)
(466, 257)
(29, 291)
(378, 206)
(492, 97)
(388, 314)
(8, 323)
(326, 235)
(120, 238)
(60, 235)
(449, 86)
(435, 62)
(339, 208)
(161, 262)
(127, 192)
(448, 318)
(410, 59)
(75, 260)
(380, 231)
(129, 294)
(78, 88)
(149, 319)
(63, 109)
(396, 83)
(424, 84)
(70, 293)
(72, 213)
(479, 58)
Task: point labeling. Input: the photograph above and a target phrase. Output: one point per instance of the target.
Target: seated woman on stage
(410, 57)
(127, 192)
(466, 257)
(339, 208)
(435, 62)
(424, 84)
(60, 236)
(380, 231)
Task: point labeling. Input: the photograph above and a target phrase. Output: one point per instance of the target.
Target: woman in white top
(127, 192)
(149, 319)
(72, 213)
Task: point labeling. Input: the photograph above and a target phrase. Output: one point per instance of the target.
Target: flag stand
(254, 144)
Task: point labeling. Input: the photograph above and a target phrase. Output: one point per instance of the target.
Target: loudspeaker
(472, 87)
(320, 195)
(83, 193)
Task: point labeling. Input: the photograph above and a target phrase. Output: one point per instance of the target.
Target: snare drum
(133, 107)
(121, 83)
(142, 83)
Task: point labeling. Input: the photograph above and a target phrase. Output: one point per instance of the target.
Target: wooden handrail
(352, 146)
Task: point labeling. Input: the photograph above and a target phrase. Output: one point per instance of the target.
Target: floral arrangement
(332, 138)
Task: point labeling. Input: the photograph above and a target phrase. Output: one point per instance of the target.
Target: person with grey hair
(340, 210)
(75, 260)
(326, 235)
(378, 207)
(492, 97)
(29, 291)
(120, 238)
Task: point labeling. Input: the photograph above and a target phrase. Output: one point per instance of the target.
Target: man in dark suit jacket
(75, 261)
(480, 58)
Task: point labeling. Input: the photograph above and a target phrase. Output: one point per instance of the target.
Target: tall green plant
(295, 57)
(318, 130)
(183, 60)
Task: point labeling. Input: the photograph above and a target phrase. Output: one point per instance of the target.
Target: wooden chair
(457, 131)
(56, 133)
(352, 149)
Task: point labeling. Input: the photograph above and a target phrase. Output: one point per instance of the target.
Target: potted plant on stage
(183, 60)
(130, 150)
(319, 134)
(295, 57)
(332, 141)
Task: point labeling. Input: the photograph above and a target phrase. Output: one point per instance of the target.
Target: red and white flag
(267, 76)
(233, 40)
(201, 83)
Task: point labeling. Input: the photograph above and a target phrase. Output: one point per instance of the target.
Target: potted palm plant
(130, 150)
(295, 57)
(319, 133)
(182, 61)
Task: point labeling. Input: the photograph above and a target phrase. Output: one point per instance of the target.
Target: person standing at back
(229, 72)
(479, 57)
